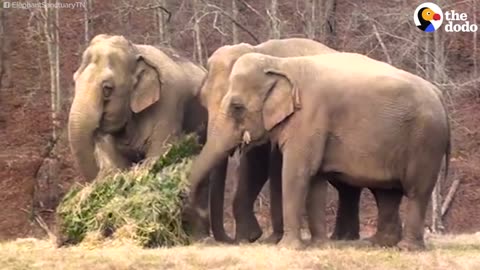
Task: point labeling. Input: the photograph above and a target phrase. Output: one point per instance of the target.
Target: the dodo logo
(428, 17)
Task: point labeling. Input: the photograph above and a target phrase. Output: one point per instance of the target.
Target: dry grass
(446, 252)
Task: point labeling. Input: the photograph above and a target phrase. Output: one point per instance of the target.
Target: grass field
(445, 252)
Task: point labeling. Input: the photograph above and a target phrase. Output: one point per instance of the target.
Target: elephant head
(114, 82)
(261, 95)
(219, 66)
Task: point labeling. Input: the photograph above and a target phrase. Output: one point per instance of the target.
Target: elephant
(339, 116)
(258, 164)
(130, 101)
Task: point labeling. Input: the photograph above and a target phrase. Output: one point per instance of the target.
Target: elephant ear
(147, 87)
(282, 99)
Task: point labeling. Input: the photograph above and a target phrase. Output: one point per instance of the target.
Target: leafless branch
(239, 25)
(253, 10)
(127, 7)
(384, 48)
(450, 195)
(215, 26)
(44, 226)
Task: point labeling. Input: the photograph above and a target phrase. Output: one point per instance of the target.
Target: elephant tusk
(246, 137)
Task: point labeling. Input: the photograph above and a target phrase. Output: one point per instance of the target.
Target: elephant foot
(347, 236)
(292, 243)
(318, 242)
(196, 224)
(254, 236)
(249, 236)
(273, 238)
(224, 238)
(200, 237)
(383, 240)
(409, 245)
(206, 241)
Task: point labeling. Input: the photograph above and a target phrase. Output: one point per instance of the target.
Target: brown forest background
(41, 48)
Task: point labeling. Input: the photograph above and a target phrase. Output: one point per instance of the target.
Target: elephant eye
(107, 89)
(237, 109)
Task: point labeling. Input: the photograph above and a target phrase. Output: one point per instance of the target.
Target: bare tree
(329, 30)
(2, 42)
(50, 31)
(439, 77)
(198, 55)
(218, 10)
(87, 7)
(161, 20)
(310, 18)
(426, 57)
(272, 12)
(475, 55)
(235, 18)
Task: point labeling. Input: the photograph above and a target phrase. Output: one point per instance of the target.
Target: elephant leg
(217, 197)
(417, 187)
(253, 173)
(347, 224)
(389, 227)
(316, 204)
(412, 238)
(300, 165)
(276, 197)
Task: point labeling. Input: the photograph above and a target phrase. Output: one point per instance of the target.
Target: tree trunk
(438, 76)
(475, 56)
(275, 32)
(198, 55)
(53, 48)
(234, 26)
(329, 23)
(426, 57)
(2, 43)
(162, 30)
(310, 18)
(58, 100)
(437, 224)
(86, 17)
(439, 58)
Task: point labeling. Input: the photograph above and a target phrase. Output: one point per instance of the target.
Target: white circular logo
(428, 17)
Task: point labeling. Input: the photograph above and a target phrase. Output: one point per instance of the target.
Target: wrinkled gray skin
(130, 100)
(340, 116)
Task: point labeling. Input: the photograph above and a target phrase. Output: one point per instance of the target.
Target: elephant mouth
(108, 125)
(248, 142)
(111, 128)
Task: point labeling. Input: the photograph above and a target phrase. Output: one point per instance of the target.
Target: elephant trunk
(210, 157)
(84, 119)
(217, 148)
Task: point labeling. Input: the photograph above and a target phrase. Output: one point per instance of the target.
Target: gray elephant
(260, 163)
(130, 100)
(339, 116)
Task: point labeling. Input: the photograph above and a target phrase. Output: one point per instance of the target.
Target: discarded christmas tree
(144, 204)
